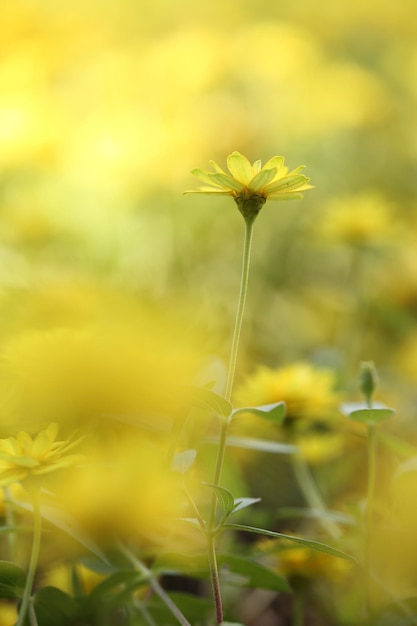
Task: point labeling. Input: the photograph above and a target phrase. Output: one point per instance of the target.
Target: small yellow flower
(251, 185)
(22, 457)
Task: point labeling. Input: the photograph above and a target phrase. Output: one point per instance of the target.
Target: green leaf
(207, 399)
(261, 445)
(108, 592)
(225, 500)
(53, 607)
(196, 610)
(308, 543)
(182, 461)
(243, 503)
(253, 574)
(273, 412)
(371, 416)
(12, 580)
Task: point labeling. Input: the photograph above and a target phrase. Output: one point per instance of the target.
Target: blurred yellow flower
(22, 457)
(308, 391)
(359, 220)
(126, 490)
(90, 354)
(296, 561)
(247, 182)
(312, 420)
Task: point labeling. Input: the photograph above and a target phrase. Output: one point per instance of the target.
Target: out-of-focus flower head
(91, 354)
(360, 220)
(251, 185)
(311, 401)
(23, 457)
(298, 562)
(127, 490)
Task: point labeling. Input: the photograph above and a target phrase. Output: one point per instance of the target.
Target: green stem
(10, 522)
(155, 586)
(370, 497)
(312, 495)
(244, 279)
(298, 608)
(37, 531)
(214, 577)
(221, 449)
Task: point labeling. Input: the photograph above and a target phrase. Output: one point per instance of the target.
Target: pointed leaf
(254, 574)
(207, 399)
(261, 445)
(273, 412)
(53, 606)
(225, 500)
(371, 416)
(349, 407)
(308, 543)
(182, 461)
(243, 503)
(12, 580)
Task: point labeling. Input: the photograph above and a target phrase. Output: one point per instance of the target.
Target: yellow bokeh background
(116, 290)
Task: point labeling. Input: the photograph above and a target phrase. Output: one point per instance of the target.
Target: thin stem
(10, 522)
(214, 576)
(37, 531)
(155, 586)
(312, 495)
(370, 497)
(244, 279)
(221, 449)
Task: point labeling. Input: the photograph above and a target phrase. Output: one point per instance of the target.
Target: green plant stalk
(214, 576)
(37, 531)
(10, 521)
(370, 498)
(221, 449)
(244, 280)
(312, 495)
(155, 586)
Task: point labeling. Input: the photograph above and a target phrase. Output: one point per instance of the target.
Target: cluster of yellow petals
(23, 456)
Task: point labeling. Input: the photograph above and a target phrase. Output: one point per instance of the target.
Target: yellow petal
(262, 178)
(204, 175)
(240, 168)
(227, 182)
(276, 161)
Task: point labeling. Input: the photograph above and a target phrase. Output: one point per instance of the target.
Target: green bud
(368, 379)
(250, 205)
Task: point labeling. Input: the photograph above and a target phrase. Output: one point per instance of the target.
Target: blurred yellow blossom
(22, 456)
(312, 419)
(300, 562)
(127, 490)
(8, 613)
(360, 220)
(90, 353)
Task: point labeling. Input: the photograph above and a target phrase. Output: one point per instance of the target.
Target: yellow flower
(251, 185)
(312, 419)
(22, 457)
